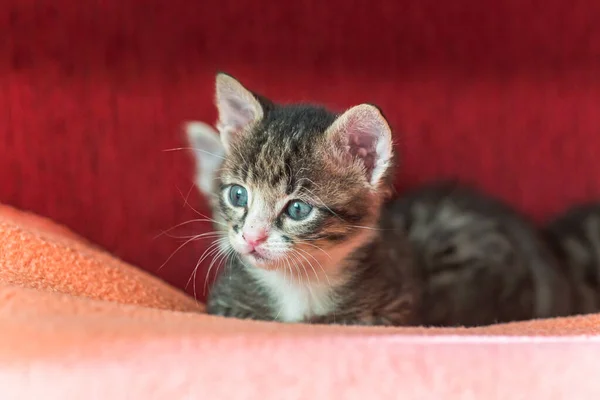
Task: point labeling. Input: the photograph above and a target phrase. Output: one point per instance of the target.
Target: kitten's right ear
(238, 109)
(209, 154)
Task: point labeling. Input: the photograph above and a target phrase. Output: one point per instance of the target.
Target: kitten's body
(479, 261)
(445, 255)
(575, 238)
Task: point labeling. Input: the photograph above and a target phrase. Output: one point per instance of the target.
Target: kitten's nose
(254, 237)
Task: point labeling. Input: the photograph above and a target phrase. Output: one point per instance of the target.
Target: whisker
(209, 250)
(318, 263)
(315, 246)
(372, 228)
(213, 253)
(194, 149)
(300, 264)
(297, 250)
(205, 216)
(231, 252)
(188, 222)
(186, 203)
(212, 246)
(310, 265)
(175, 252)
(198, 237)
(226, 261)
(217, 259)
(297, 268)
(187, 196)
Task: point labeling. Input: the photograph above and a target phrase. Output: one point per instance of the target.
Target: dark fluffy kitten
(302, 197)
(575, 238)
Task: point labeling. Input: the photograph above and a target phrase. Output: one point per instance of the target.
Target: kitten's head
(297, 184)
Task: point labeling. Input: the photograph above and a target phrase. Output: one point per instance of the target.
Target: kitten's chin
(257, 260)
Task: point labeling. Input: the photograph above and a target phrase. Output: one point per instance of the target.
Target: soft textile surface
(36, 254)
(57, 347)
(67, 334)
(503, 93)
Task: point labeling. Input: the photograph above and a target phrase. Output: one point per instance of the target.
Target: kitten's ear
(209, 154)
(238, 108)
(363, 133)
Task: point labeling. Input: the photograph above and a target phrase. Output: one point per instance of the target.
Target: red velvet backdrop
(502, 93)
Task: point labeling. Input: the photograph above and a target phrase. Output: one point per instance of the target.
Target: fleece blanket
(79, 323)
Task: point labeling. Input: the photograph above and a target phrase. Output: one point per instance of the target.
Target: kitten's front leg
(230, 298)
(231, 309)
(225, 302)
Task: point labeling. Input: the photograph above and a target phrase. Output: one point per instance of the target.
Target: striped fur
(443, 255)
(575, 238)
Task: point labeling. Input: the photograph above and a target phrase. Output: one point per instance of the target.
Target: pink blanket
(78, 323)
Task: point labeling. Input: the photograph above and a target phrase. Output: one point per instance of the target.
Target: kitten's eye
(238, 196)
(298, 210)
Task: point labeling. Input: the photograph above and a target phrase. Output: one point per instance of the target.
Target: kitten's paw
(227, 311)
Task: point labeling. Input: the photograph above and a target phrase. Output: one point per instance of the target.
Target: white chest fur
(296, 299)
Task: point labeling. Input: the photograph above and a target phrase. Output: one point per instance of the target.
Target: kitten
(303, 198)
(300, 191)
(575, 238)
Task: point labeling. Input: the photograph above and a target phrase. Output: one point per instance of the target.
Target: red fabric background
(502, 93)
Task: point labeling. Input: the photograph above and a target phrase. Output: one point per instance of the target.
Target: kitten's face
(298, 185)
(283, 200)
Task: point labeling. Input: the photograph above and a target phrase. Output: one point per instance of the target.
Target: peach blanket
(77, 323)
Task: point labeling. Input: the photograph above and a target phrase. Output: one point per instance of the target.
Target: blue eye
(298, 210)
(238, 196)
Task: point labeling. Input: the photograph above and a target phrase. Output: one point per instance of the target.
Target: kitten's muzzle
(254, 237)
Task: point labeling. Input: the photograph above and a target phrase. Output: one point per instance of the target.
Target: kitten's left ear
(209, 154)
(238, 109)
(363, 133)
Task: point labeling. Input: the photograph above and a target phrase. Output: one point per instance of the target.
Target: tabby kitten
(575, 238)
(303, 198)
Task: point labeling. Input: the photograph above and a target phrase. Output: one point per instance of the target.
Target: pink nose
(254, 237)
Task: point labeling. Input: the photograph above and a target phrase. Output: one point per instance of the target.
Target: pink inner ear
(362, 144)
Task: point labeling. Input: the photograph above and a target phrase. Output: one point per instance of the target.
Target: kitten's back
(574, 236)
(480, 261)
